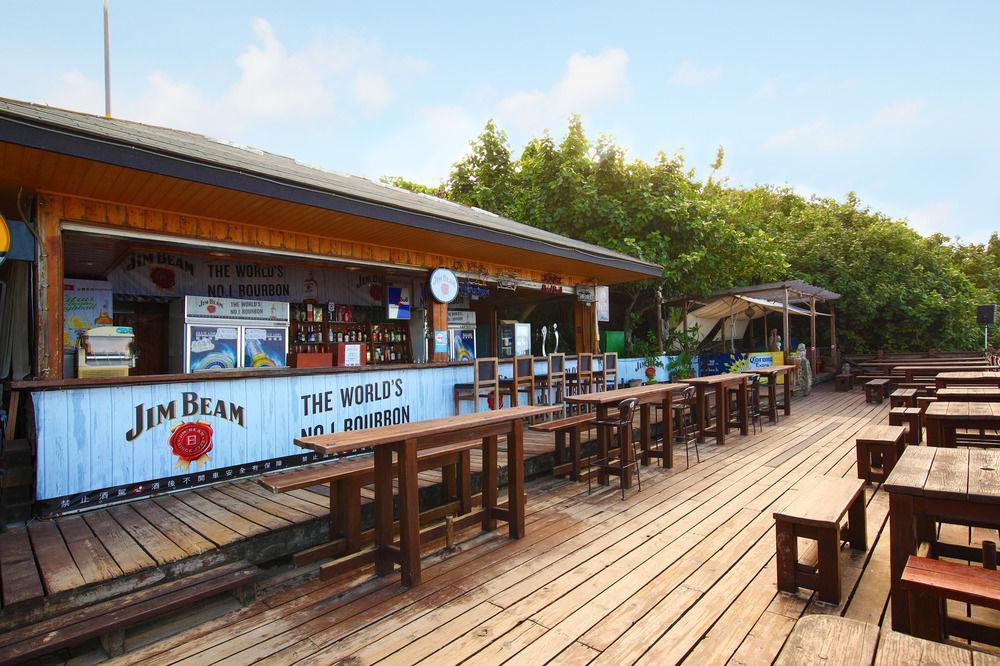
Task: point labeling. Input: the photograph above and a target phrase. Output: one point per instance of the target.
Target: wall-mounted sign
(551, 284)
(476, 289)
(444, 285)
(586, 293)
(397, 301)
(603, 304)
(461, 317)
(4, 239)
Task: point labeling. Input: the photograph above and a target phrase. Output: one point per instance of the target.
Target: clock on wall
(444, 285)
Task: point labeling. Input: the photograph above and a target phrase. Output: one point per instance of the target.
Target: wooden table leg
(384, 558)
(788, 394)
(933, 431)
(644, 438)
(742, 395)
(409, 514)
(668, 432)
(603, 445)
(772, 399)
(560, 446)
(515, 480)
(902, 544)
(700, 409)
(857, 524)
(574, 443)
(489, 480)
(721, 414)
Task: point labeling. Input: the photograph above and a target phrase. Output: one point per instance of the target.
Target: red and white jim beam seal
(191, 441)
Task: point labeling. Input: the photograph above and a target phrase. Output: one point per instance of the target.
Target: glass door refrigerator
(461, 335)
(228, 333)
(514, 339)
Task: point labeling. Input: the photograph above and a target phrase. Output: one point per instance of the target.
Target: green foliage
(901, 291)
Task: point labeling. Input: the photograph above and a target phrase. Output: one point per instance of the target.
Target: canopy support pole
(812, 333)
(659, 319)
(834, 354)
(786, 340)
(685, 319)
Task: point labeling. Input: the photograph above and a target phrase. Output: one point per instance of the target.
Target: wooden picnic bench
(829, 640)
(968, 378)
(954, 486)
(567, 459)
(406, 439)
(878, 447)
(816, 513)
(969, 394)
(347, 476)
(109, 619)
(877, 389)
(648, 395)
(903, 397)
(944, 419)
(931, 582)
(844, 382)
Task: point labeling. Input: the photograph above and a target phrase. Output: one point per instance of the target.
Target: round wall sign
(444, 285)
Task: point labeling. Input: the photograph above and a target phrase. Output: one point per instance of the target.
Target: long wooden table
(405, 439)
(647, 396)
(968, 378)
(772, 372)
(969, 393)
(943, 419)
(912, 371)
(721, 384)
(956, 486)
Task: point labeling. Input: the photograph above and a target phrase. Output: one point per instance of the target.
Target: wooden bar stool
(686, 430)
(554, 380)
(606, 379)
(523, 380)
(583, 380)
(621, 427)
(485, 384)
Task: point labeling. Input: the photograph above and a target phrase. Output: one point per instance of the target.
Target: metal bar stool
(753, 403)
(622, 428)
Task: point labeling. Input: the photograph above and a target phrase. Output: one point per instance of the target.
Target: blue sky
(897, 101)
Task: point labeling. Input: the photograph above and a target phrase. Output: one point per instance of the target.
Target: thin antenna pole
(107, 64)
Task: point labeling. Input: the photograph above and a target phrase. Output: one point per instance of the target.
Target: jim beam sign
(190, 440)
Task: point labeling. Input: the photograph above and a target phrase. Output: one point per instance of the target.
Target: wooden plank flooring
(682, 571)
(54, 557)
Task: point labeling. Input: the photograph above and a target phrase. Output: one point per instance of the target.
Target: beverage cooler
(514, 339)
(461, 335)
(227, 333)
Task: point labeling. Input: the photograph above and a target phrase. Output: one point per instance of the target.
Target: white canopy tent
(737, 311)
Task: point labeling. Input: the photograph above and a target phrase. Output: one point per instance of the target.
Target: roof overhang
(40, 154)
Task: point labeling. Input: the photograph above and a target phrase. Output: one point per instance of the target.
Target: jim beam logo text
(190, 441)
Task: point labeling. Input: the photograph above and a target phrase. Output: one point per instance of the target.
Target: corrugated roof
(191, 147)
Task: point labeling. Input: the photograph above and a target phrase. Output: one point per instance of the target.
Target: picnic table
(721, 385)
(943, 419)
(969, 393)
(647, 396)
(956, 486)
(772, 372)
(911, 371)
(968, 378)
(405, 439)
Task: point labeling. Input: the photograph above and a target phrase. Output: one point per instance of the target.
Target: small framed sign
(586, 293)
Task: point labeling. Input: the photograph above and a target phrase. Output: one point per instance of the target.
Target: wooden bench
(109, 619)
(845, 382)
(816, 513)
(571, 426)
(909, 418)
(903, 397)
(878, 448)
(876, 389)
(931, 583)
(346, 477)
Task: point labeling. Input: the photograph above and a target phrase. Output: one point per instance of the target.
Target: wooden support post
(834, 354)
(812, 335)
(439, 322)
(659, 319)
(49, 286)
(786, 344)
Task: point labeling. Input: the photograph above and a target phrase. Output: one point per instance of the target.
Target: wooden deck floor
(106, 548)
(680, 572)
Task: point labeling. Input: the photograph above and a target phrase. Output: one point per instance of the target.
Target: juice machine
(106, 351)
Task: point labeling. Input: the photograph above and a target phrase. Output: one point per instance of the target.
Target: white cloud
(318, 81)
(690, 73)
(898, 115)
(822, 136)
(933, 218)
(590, 81)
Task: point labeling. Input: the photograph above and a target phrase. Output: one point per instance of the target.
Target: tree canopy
(902, 291)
